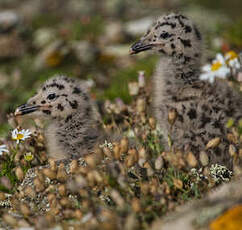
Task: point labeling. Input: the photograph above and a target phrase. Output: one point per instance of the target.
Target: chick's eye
(166, 35)
(51, 96)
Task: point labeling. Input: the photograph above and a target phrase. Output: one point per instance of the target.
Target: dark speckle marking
(43, 102)
(186, 59)
(173, 25)
(173, 46)
(162, 51)
(180, 118)
(68, 118)
(166, 35)
(192, 114)
(204, 120)
(60, 107)
(60, 87)
(188, 29)
(73, 104)
(198, 34)
(34, 102)
(44, 88)
(48, 112)
(76, 90)
(173, 53)
(185, 42)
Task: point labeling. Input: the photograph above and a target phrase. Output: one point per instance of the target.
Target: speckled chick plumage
(73, 128)
(203, 109)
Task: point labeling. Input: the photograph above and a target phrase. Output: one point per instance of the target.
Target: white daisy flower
(232, 59)
(3, 148)
(217, 69)
(20, 135)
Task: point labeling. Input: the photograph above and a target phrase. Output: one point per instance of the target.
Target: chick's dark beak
(139, 47)
(25, 109)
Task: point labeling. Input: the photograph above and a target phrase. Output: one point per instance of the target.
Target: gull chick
(200, 110)
(73, 128)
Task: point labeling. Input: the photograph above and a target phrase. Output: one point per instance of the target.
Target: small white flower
(107, 145)
(220, 173)
(3, 148)
(133, 88)
(232, 59)
(217, 69)
(20, 135)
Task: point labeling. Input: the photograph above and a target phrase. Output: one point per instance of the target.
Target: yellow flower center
(216, 65)
(231, 55)
(54, 59)
(28, 157)
(19, 136)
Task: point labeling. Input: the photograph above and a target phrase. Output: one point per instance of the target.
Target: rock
(10, 46)
(84, 51)
(138, 27)
(43, 37)
(52, 55)
(219, 206)
(113, 33)
(8, 20)
(116, 50)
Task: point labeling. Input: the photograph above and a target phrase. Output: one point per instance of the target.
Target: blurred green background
(90, 39)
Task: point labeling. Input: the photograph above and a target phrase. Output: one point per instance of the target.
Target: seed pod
(65, 202)
(73, 166)
(62, 189)
(150, 171)
(49, 173)
(144, 187)
(117, 198)
(141, 105)
(177, 183)
(9, 219)
(53, 165)
(130, 161)
(203, 157)
(68, 213)
(90, 160)
(232, 150)
(25, 210)
(78, 214)
(91, 178)
(39, 186)
(152, 123)
(159, 163)
(107, 152)
(51, 197)
(29, 192)
(134, 153)
(232, 138)
(191, 160)
(172, 115)
(124, 143)
(213, 143)
(97, 176)
(116, 151)
(135, 203)
(19, 173)
(142, 153)
(61, 173)
(2, 196)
